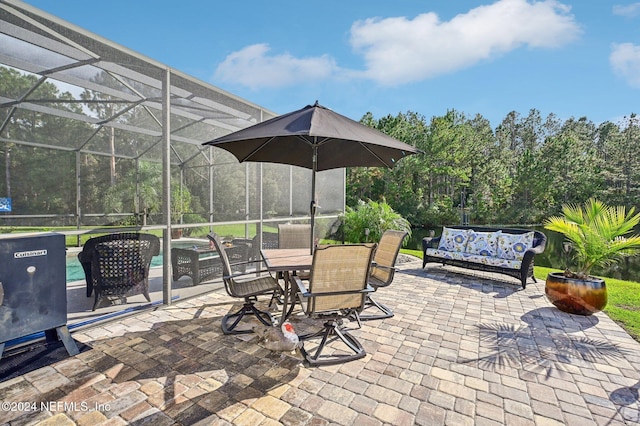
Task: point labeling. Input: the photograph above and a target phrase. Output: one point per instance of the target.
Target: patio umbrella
(315, 138)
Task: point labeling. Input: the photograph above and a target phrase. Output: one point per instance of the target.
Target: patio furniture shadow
(22, 360)
(501, 286)
(628, 399)
(78, 302)
(186, 370)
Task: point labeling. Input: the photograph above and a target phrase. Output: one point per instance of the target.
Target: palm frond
(597, 232)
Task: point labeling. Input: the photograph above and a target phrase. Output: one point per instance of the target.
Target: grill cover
(33, 295)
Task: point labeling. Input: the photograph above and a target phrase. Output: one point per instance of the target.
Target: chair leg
(96, 301)
(292, 305)
(276, 298)
(99, 298)
(370, 303)
(332, 332)
(247, 309)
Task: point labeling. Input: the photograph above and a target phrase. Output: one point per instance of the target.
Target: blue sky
(573, 58)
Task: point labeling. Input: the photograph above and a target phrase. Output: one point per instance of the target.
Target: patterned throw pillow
(483, 243)
(513, 246)
(453, 239)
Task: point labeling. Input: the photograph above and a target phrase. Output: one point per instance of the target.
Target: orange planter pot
(575, 296)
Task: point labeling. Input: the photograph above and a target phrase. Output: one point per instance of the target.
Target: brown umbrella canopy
(291, 139)
(315, 138)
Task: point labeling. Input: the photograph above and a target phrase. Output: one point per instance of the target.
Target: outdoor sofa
(507, 251)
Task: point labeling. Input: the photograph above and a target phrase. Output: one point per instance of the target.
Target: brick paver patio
(461, 350)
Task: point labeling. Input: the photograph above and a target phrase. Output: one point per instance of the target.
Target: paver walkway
(461, 350)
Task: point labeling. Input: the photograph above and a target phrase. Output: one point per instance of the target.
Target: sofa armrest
(430, 242)
(527, 259)
(536, 250)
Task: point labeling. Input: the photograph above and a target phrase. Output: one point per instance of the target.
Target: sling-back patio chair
(247, 286)
(294, 236)
(117, 265)
(269, 241)
(336, 289)
(382, 273)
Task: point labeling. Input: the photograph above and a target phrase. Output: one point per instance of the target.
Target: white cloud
(254, 68)
(629, 10)
(625, 61)
(398, 50)
(401, 50)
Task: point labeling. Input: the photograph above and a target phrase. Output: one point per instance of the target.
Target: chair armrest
(245, 262)
(301, 288)
(241, 274)
(386, 268)
(304, 293)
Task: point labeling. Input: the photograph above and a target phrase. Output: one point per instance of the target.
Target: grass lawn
(71, 240)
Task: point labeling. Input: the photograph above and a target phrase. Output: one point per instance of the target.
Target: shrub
(377, 217)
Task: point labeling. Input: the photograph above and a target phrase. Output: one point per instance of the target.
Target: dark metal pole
(313, 206)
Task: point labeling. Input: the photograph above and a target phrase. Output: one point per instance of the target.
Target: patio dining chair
(117, 265)
(336, 289)
(294, 236)
(247, 286)
(382, 273)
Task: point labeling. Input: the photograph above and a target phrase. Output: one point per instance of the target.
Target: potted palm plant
(599, 236)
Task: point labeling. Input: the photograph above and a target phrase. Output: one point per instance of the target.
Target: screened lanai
(97, 138)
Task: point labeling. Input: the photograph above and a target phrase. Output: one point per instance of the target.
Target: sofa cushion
(494, 261)
(483, 243)
(446, 254)
(474, 258)
(453, 239)
(513, 246)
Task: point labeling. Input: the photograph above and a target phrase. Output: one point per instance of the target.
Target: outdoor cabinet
(33, 294)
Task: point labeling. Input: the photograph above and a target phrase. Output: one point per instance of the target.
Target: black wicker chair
(269, 241)
(117, 265)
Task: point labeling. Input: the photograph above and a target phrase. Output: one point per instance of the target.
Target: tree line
(521, 172)
(518, 173)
